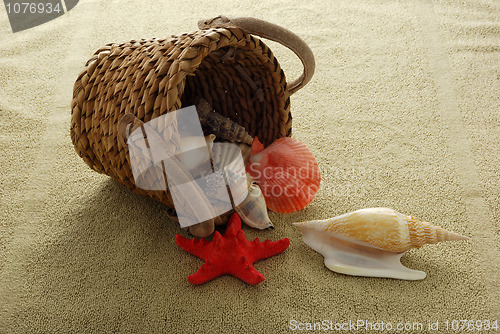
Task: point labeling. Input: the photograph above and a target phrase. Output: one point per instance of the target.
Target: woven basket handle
(275, 33)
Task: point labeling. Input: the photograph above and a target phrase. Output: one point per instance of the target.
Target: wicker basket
(223, 62)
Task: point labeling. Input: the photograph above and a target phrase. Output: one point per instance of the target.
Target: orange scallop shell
(287, 173)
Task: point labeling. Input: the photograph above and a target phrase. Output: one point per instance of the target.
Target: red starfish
(230, 254)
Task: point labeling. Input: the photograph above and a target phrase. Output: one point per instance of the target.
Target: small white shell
(253, 210)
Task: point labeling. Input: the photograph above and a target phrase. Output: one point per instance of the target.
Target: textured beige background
(403, 111)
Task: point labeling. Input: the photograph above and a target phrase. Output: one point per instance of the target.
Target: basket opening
(233, 87)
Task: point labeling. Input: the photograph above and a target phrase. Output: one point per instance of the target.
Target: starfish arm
(233, 226)
(193, 246)
(207, 272)
(263, 250)
(247, 273)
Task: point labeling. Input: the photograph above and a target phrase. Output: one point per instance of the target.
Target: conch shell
(371, 242)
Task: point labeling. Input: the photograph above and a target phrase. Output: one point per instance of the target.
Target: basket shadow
(105, 255)
(121, 233)
(118, 207)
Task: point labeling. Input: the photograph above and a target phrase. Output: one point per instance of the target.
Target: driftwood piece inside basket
(223, 62)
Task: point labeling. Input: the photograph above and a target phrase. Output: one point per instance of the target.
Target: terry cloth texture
(403, 112)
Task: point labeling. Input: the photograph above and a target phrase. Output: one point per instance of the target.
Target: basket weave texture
(233, 70)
